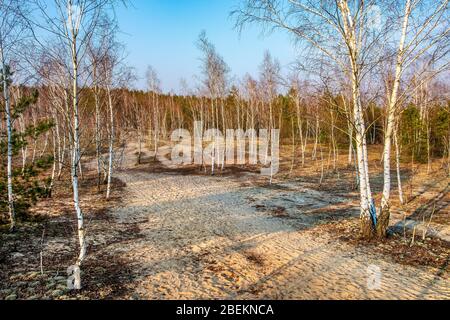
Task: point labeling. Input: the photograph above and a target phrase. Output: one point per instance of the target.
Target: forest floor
(184, 234)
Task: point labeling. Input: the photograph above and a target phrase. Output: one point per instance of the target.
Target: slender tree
(13, 29)
(423, 28)
(72, 24)
(338, 33)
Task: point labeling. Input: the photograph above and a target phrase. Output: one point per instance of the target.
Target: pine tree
(26, 186)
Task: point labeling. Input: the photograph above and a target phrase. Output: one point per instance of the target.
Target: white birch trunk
(97, 130)
(350, 132)
(9, 140)
(397, 160)
(62, 155)
(111, 144)
(44, 149)
(360, 128)
(362, 160)
(300, 130)
(52, 178)
(24, 149)
(391, 118)
(76, 147)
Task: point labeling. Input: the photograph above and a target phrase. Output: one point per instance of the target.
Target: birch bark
(384, 217)
(111, 143)
(6, 97)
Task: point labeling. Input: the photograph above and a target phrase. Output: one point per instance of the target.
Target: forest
(364, 154)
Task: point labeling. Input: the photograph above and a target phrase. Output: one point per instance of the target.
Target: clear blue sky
(163, 33)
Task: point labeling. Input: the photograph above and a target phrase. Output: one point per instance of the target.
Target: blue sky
(163, 33)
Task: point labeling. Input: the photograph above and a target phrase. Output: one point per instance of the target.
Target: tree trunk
(366, 201)
(52, 178)
(139, 144)
(111, 144)
(317, 132)
(397, 160)
(156, 124)
(97, 131)
(24, 148)
(392, 106)
(9, 140)
(76, 158)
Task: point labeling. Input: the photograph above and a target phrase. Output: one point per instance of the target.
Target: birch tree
(12, 31)
(113, 76)
(72, 23)
(215, 81)
(154, 87)
(338, 34)
(269, 81)
(103, 59)
(95, 56)
(424, 28)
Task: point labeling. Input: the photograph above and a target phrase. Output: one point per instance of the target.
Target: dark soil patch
(254, 257)
(154, 166)
(279, 212)
(429, 252)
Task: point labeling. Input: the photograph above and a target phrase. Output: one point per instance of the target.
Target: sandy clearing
(204, 237)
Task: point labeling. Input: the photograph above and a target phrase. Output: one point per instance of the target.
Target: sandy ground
(205, 237)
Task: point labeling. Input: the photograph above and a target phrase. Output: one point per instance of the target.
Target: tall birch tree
(338, 33)
(12, 31)
(424, 30)
(72, 23)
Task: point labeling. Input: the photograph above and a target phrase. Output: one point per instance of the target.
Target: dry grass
(51, 229)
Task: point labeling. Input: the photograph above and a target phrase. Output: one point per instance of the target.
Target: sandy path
(202, 237)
